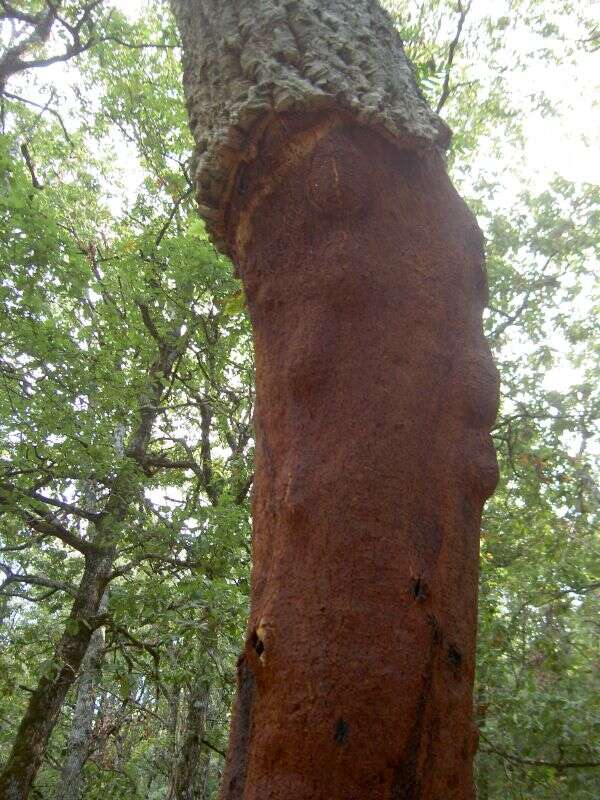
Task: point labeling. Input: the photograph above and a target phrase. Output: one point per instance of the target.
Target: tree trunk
(78, 746)
(47, 698)
(202, 775)
(319, 171)
(172, 748)
(188, 767)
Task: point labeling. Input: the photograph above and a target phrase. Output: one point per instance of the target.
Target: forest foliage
(126, 397)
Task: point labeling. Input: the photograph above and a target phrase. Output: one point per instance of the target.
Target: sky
(563, 144)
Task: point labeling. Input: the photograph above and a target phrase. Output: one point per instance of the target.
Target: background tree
(99, 419)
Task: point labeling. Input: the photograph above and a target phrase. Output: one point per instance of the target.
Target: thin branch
(213, 748)
(206, 414)
(69, 53)
(137, 643)
(171, 216)
(20, 547)
(10, 12)
(243, 491)
(451, 52)
(510, 319)
(149, 323)
(161, 462)
(592, 43)
(50, 527)
(30, 166)
(534, 762)
(12, 62)
(44, 108)
(68, 508)
(140, 45)
(36, 580)
(578, 590)
(41, 598)
(120, 571)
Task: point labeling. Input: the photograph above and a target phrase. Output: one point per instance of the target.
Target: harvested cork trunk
(320, 172)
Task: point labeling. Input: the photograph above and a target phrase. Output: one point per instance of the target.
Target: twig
(171, 216)
(451, 52)
(20, 99)
(140, 45)
(30, 166)
(534, 762)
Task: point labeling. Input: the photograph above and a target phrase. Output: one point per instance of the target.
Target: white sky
(567, 145)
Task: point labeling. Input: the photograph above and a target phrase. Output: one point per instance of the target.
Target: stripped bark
(320, 171)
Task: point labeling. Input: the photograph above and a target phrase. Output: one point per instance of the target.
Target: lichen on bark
(275, 56)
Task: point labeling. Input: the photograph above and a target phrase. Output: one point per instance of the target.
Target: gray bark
(188, 774)
(202, 775)
(245, 62)
(173, 733)
(78, 747)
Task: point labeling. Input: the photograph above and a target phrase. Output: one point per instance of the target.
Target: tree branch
(243, 491)
(534, 762)
(120, 571)
(92, 516)
(30, 166)
(42, 23)
(171, 215)
(149, 323)
(45, 108)
(451, 52)
(510, 319)
(140, 45)
(161, 462)
(68, 508)
(213, 748)
(10, 12)
(138, 643)
(35, 580)
(48, 526)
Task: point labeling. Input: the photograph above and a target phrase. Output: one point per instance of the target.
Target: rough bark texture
(78, 747)
(376, 392)
(245, 61)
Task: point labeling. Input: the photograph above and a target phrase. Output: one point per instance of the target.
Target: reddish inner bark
(375, 395)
